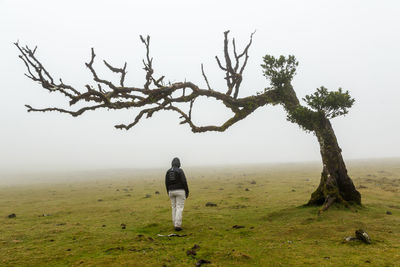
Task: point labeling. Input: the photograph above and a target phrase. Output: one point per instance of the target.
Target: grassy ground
(79, 223)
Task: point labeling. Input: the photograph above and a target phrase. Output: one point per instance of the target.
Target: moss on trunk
(335, 184)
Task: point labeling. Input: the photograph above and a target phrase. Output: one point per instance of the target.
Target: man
(178, 191)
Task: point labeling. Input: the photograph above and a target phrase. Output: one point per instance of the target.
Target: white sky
(348, 44)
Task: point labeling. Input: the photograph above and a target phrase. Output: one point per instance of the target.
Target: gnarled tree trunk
(335, 185)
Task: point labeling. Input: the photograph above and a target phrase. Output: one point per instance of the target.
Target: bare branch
(105, 94)
(205, 77)
(198, 129)
(235, 54)
(219, 64)
(95, 77)
(233, 77)
(118, 70)
(149, 113)
(73, 113)
(190, 109)
(245, 52)
(148, 62)
(38, 73)
(226, 53)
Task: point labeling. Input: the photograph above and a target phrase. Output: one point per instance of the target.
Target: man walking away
(178, 191)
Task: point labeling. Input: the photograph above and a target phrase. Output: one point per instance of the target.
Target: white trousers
(177, 202)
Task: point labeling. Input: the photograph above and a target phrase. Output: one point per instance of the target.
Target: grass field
(75, 220)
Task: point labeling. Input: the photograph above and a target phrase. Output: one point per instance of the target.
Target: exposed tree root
(328, 202)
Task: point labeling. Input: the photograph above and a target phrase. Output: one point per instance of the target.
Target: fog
(348, 44)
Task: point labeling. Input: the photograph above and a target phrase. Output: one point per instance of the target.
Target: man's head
(176, 163)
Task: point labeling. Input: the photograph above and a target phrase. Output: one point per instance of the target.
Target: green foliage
(331, 103)
(279, 70)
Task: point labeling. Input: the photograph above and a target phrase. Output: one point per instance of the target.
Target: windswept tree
(157, 95)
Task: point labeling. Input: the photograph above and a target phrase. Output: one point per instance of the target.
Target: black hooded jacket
(180, 180)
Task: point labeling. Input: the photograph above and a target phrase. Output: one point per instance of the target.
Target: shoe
(178, 229)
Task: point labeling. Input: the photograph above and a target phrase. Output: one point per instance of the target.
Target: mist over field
(320, 190)
(114, 218)
(65, 176)
(348, 44)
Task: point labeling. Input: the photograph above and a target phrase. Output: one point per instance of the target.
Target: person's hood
(176, 163)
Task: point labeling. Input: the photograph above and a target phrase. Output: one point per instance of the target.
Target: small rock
(247, 189)
(147, 196)
(191, 252)
(44, 215)
(367, 261)
(157, 193)
(117, 190)
(290, 242)
(237, 226)
(253, 182)
(327, 258)
(99, 200)
(349, 238)
(51, 240)
(211, 204)
(388, 212)
(200, 262)
(293, 190)
(68, 249)
(221, 189)
(103, 225)
(123, 226)
(12, 215)
(362, 187)
(363, 236)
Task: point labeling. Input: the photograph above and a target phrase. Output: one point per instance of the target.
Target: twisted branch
(232, 76)
(154, 96)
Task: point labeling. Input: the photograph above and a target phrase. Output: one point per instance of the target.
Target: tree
(157, 95)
